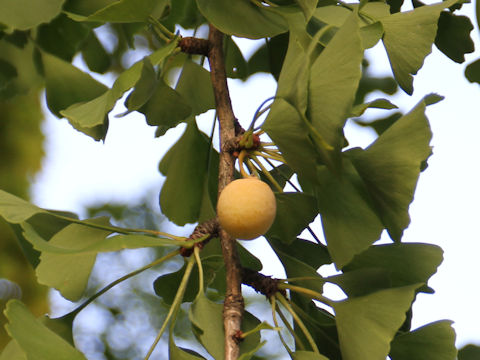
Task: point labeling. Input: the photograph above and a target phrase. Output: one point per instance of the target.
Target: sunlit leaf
(408, 40)
(349, 218)
(366, 325)
(35, 339)
(285, 126)
(404, 263)
(308, 7)
(333, 83)
(390, 167)
(69, 273)
(435, 341)
(16, 210)
(26, 14)
(12, 352)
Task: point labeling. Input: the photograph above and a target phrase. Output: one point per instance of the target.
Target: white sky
(78, 171)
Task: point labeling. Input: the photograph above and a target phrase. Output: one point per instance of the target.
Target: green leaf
(144, 87)
(382, 124)
(95, 55)
(308, 252)
(350, 222)
(35, 339)
(370, 33)
(308, 7)
(362, 281)
(435, 341)
(87, 115)
(242, 18)
(294, 212)
(122, 11)
(62, 37)
(112, 243)
(286, 128)
(469, 352)
(296, 268)
(7, 73)
(66, 85)
(235, 64)
(408, 40)
(176, 353)
(26, 14)
(16, 210)
(307, 355)
(195, 86)
(366, 325)
(186, 168)
(207, 320)
(334, 78)
(390, 167)
(359, 109)
(69, 273)
(166, 108)
(404, 263)
(12, 352)
(453, 36)
(472, 71)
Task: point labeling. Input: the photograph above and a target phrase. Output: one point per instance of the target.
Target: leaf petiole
(176, 303)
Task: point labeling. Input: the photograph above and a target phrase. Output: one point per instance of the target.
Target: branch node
(262, 284)
(210, 228)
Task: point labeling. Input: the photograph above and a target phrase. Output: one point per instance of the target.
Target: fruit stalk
(233, 304)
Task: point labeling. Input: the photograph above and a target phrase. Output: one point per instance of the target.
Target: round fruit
(246, 208)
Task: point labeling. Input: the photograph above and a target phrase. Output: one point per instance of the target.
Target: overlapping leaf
(390, 167)
(69, 273)
(333, 82)
(366, 325)
(453, 36)
(92, 113)
(403, 263)
(35, 339)
(122, 11)
(435, 341)
(307, 355)
(16, 210)
(207, 320)
(350, 222)
(186, 167)
(294, 212)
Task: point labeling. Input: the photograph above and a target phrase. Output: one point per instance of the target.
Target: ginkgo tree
(316, 52)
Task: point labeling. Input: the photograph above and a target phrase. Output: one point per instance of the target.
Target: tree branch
(233, 305)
